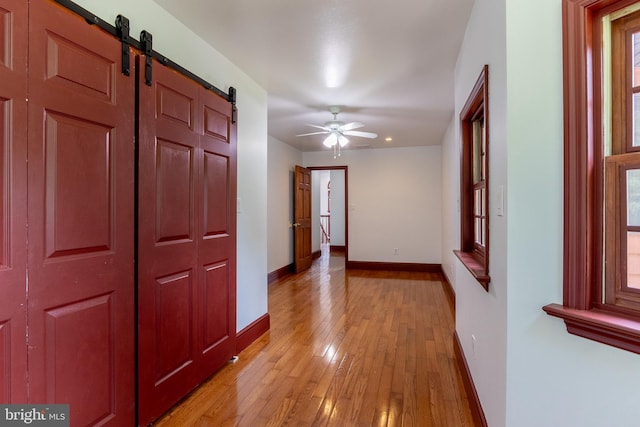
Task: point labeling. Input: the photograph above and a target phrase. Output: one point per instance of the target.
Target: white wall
(282, 160)
(324, 177)
(553, 378)
(450, 199)
(317, 177)
(394, 202)
(528, 370)
(173, 39)
(337, 208)
(479, 313)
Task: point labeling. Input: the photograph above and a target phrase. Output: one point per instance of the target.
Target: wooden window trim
(582, 310)
(617, 295)
(623, 156)
(473, 256)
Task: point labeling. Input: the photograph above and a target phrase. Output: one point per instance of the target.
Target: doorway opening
(329, 220)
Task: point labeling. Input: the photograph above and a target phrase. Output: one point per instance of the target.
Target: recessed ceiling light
(388, 139)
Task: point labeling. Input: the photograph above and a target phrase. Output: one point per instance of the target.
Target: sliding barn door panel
(80, 209)
(13, 201)
(167, 243)
(186, 252)
(217, 225)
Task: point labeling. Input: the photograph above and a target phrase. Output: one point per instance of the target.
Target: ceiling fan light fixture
(343, 140)
(331, 140)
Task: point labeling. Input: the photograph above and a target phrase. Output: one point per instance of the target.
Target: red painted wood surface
(13, 202)
(81, 219)
(217, 234)
(187, 222)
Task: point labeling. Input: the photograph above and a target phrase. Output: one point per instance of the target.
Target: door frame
(346, 202)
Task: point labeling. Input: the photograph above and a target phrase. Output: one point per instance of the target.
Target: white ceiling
(388, 64)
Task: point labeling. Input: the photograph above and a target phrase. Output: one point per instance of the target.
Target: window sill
(476, 269)
(598, 325)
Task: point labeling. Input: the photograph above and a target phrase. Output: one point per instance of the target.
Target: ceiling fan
(338, 131)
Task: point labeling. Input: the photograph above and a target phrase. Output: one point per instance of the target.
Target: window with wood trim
(602, 172)
(474, 227)
(622, 161)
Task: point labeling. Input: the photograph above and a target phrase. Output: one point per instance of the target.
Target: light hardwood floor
(345, 348)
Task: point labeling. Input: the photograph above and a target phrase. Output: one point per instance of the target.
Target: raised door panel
(216, 309)
(5, 361)
(13, 202)
(174, 325)
(174, 192)
(78, 165)
(80, 346)
(216, 221)
(81, 216)
(61, 68)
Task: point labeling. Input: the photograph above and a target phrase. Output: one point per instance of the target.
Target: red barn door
(186, 231)
(81, 219)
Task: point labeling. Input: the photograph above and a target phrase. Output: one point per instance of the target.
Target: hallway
(354, 348)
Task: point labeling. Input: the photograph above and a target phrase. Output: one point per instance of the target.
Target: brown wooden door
(302, 218)
(81, 218)
(13, 200)
(186, 272)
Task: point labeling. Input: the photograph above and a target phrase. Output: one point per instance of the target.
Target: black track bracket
(122, 25)
(232, 100)
(147, 47)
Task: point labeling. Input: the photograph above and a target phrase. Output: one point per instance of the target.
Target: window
(474, 189)
(602, 172)
(621, 153)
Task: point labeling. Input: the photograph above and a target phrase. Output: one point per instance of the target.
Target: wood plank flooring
(346, 348)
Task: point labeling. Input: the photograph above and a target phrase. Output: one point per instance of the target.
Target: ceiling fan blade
(362, 134)
(314, 133)
(351, 126)
(319, 127)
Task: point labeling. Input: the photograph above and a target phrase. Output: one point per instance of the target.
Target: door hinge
(122, 25)
(147, 47)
